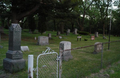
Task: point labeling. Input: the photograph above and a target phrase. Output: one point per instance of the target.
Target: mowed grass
(84, 62)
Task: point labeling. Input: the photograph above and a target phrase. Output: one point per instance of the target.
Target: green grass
(84, 62)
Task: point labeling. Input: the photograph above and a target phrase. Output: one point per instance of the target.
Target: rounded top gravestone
(65, 46)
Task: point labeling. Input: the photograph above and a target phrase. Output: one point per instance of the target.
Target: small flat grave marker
(24, 48)
(104, 37)
(79, 37)
(60, 37)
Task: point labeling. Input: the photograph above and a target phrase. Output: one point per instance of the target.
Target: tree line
(60, 15)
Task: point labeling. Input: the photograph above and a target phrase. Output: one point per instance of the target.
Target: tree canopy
(86, 15)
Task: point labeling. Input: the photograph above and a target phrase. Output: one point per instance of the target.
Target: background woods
(59, 15)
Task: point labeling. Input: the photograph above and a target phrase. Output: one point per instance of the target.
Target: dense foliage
(59, 15)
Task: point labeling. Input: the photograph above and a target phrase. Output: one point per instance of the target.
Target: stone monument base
(13, 65)
(67, 55)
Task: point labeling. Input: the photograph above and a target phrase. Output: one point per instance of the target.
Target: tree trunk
(62, 28)
(103, 29)
(54, 24)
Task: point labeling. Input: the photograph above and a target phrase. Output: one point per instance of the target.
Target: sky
(114, 7)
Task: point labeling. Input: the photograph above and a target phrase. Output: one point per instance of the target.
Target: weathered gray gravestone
(49, 36)
(97, 47)
(75, 31)
(96, 34)
(14, 58)
(68, 32)
(58, 32)
(43, 40)
(66, 45)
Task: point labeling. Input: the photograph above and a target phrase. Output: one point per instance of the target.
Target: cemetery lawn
(84, 62)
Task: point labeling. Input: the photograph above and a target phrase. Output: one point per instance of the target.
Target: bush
(85, 39)
(83, 33)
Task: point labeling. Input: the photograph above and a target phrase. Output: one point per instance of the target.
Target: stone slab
(43, 40)
(13, 65)
(66, 45)
(14, 54)
(97, 47)
(24, 48)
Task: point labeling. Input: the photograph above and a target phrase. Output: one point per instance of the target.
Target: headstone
(58, 32)
(96, 34)
(60, 37)
(68, 32)
(92, 37)
(24, 48)
(43, 40)
(97, 47)
(79, 37)
(75, 31)
(49, 36)
(104, 37)
(14, 58)
(35, 38)
(65, 46)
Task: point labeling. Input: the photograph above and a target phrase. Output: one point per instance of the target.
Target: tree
(116, 24)
(5, 12)
(103, 9)
(64, 12)
(31, 23)
(84, 5)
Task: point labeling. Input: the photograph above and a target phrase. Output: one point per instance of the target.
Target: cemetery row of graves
(80, 62)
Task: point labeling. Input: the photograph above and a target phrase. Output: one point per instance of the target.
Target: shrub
(85, 39)
(83, 32)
